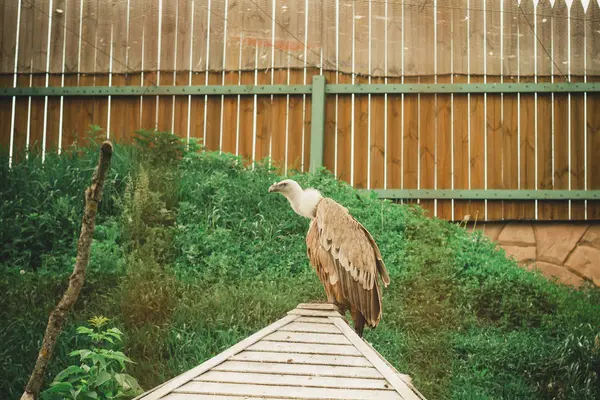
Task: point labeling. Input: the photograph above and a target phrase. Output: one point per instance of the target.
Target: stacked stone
(569, 252)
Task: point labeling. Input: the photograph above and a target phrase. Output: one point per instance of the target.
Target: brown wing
(344, 254)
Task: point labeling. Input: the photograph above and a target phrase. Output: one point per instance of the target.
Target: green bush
(101, 374)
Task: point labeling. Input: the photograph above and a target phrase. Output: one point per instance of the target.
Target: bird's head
(303, 202)
(286, 187)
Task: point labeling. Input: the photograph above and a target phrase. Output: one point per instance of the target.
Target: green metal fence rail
(319, 89)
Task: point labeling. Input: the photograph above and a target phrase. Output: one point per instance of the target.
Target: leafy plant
(101, 373)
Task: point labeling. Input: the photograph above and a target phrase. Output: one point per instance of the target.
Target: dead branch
(93, 194)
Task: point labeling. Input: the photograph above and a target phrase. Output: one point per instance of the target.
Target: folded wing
(347, 259)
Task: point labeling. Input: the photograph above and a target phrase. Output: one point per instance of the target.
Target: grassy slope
(198, 256)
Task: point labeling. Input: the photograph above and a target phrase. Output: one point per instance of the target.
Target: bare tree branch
(93, 194)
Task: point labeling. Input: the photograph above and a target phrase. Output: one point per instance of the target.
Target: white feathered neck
(303, 202)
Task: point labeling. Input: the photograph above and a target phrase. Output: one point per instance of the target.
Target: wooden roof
(312, 353)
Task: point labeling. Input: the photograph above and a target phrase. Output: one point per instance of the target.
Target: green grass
(191, 255)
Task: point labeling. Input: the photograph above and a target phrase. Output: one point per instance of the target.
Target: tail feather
(359, 321)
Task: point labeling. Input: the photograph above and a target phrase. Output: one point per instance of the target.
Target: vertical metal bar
(317, 127)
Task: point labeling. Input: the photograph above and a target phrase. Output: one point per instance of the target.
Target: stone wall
(567, 251)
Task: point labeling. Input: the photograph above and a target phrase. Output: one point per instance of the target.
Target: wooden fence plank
(477, 144)
(7, 60)
(361, 102)
(544, 109)
(461, 108)
(263, 107)
(494, 117)
(561, 106)
(444, 107)
(199, 38)
(510, 104)
(168, 39)
(344, 111)
(577, 169)
(150, 61)
(231, 76)
(125, 111)
(593, 105)
(377, 118)
(395, 51)
(21, 119)
(215, 63)
(5, 115)
(527, 108)
(57, 38)
(10, 12)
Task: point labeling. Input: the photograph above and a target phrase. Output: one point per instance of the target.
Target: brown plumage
(343, 253)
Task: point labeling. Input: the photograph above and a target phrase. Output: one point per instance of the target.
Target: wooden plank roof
(311, 353)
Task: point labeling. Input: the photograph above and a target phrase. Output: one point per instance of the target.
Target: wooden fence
(486, 141)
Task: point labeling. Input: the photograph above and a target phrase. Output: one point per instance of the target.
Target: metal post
(317, 126)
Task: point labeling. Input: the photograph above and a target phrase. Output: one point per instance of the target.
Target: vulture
(342, 252)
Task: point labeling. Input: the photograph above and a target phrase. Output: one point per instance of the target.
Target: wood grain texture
(593, 104)
(293, 380)
(304, 348)
(544, 110)
(299, 369)
(301, 337)
(527, 107)
(578, 64)
(561, 107)
(283, 391)
(477, 117)
(5, 115)
(295, 358)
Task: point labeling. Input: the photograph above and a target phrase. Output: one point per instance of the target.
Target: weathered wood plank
(305, 348)
(389, 374)
(295, 358)
(310, 327)
(294, 380)
(194, 372)
(301, 337)
(285, 391)
(187, 396)
(314, 313)
(298, 369)
(315, 320)
(317, 306)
